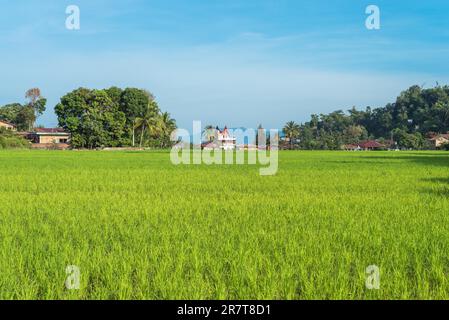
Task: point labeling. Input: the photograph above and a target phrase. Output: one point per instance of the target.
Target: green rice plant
(139, 227)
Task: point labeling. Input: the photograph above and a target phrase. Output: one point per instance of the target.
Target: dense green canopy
(416, 114)
(110, 118)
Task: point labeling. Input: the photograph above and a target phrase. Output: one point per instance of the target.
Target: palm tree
(209, 132)
(168, 125)
(150, 121)
(291, 130)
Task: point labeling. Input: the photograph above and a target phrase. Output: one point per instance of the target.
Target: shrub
(9, 140)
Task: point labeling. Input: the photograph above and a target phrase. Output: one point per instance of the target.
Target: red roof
(445, 136)
(371, 144)
(209, 145)
(49, 130)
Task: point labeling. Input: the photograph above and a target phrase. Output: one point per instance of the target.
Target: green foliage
(406, 140)
(93, 119)
(355, 133)
(115, 94)
(24, 116)
(9, 112)
(36, 105)
(20, 115)
(9, 140)
(110, 118)
(134, 103)
(415, 113)
(168, 125)
(292, 131)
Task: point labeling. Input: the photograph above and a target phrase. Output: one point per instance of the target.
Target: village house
(372, 145)
(45, 138)
(351, 147)
(220, 139)
(369, 145)
(41, 138)
(7, 125)
(439, 140)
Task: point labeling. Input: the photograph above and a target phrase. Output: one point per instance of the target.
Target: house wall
(440, 141)
(52, 139)
(7, 126)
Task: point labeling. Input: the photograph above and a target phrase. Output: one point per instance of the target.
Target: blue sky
(238, 63)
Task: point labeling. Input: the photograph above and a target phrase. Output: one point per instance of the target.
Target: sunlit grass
(139, 227)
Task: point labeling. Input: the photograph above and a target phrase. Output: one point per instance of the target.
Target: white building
(225, 140)
(222, 139)
(7, 125)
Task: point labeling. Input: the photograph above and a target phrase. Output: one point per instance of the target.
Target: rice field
(138, 227)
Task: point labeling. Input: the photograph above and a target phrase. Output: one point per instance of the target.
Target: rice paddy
(138, 227)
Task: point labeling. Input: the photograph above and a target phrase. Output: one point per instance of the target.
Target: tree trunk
(141, 135)
(134, 139)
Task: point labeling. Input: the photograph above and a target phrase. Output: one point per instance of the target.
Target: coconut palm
(168, 125)
(209, 132)
(291, 130)
(150, 122)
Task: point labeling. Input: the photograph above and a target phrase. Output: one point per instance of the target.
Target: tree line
(116, 117)
(112, 117)
(416, 115)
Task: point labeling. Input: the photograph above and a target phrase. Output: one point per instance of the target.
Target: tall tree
(291, 131)
(134, 103)
(36, 103)
(149, 122)
(92, 118)
(168, 126)
(209, 132)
